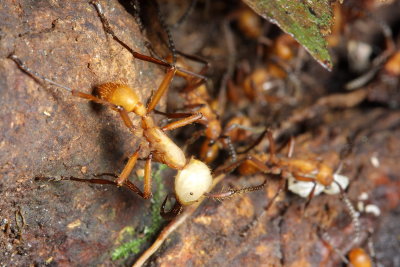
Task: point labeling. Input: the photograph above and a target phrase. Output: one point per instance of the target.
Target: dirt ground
(47, 133)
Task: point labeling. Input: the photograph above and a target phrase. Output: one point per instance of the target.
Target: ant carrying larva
(193, 179)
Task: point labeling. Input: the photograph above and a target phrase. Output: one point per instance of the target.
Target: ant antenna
(227, 194)
(34, 74)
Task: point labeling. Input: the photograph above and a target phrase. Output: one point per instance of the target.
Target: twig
(171, 227)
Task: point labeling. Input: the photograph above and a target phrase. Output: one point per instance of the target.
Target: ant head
(192, 182)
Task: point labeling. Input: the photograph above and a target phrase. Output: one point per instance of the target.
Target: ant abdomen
(121, 95)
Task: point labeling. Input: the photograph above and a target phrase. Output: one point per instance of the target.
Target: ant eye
(191, 193)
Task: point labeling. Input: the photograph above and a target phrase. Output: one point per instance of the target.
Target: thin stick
(171, 227)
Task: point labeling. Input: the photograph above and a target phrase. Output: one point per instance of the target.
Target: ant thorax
(304, 189)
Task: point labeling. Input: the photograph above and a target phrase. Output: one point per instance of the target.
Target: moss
(134, 246)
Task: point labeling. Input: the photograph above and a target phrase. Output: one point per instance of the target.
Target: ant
(274, 80)
(194, 177)
(305, 177)
(122, 99)
(358, 257)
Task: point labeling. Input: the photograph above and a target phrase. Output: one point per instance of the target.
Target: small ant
(193, 179)
(274, 81)
(358, 257)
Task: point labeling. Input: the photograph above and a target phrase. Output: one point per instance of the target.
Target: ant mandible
(193, 178)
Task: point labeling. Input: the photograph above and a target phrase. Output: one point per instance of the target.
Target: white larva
(192, 182)
(303, 189)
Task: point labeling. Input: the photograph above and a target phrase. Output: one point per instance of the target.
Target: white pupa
(192, 182)
(304, 189)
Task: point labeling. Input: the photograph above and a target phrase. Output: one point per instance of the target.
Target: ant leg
(256, 143)
(291, 147)
(310, 196)
(161, 89)
(123, 177)
(234, 126)
(256, 163)
(272, 149)
(147, 177)
(107, 29)
(36, 75)
(282, 185)
(182, 122)
(197, 59)
(327, 242)
(176, 115)
(127, 184)
(195, 136)
(175, 211)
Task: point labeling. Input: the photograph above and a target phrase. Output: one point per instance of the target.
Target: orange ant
(358, 257)
(194, 177)
(123, 99)
(305, 177)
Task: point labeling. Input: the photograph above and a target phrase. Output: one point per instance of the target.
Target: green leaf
(308, 21)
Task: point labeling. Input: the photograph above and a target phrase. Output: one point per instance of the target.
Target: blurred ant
(197, 99)
(193, 178)
(273, 82)
(305, 177)
(358, 257)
